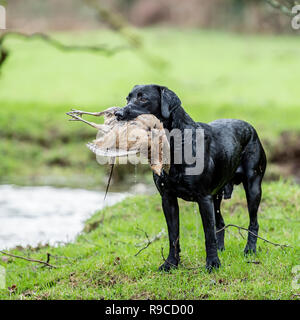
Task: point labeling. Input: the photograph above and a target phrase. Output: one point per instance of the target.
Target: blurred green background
(225, 59)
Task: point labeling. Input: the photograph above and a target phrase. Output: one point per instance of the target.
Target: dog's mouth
(130, 112)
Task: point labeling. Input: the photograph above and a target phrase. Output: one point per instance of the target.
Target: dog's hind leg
(219, 222)
(252, 187)
(254, 166)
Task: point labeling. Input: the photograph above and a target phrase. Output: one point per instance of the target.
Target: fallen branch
(115, 22)
(255, 235)
(149, 241)
(4, 53)
(46, 263)
(118, 24)
(57, 44)
(287, 10)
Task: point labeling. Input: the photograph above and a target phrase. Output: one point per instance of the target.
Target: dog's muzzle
(120, 114)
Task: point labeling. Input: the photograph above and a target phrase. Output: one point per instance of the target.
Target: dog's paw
(220, 241)
(212, 263)
(249, 249)
(167, 266)
(221, 247)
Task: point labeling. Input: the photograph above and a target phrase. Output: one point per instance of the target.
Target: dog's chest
(179, 185)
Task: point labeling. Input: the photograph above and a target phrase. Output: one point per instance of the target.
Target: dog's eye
(143, 99)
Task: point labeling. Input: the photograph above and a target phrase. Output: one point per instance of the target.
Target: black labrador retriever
(233, 154)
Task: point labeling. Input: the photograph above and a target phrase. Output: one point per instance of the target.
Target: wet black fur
(233, 155)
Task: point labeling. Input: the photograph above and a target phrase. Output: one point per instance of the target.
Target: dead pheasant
(144, 135)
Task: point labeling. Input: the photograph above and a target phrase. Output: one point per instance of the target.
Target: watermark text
(2, 18)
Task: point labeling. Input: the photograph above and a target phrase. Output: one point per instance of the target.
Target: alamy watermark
(296, 19)
(154, 147)
(2, 17)
(2, 278)
(296, 278)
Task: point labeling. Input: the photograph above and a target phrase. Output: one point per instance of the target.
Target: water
(33, 215)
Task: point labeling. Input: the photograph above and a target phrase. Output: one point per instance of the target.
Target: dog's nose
(119, 114)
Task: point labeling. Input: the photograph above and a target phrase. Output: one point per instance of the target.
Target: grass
(216, 75)
(101, 263)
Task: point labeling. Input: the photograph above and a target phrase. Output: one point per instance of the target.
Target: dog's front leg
(171, 211)
(206, 207)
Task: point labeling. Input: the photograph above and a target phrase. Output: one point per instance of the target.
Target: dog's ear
(169, 101)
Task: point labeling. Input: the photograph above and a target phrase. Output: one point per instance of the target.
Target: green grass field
(216, 75)
(101, 263)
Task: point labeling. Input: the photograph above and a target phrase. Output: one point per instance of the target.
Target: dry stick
(241, 228)
(46, 263)
(118, 24)
(283, 8)
(149, 241)
(115, 22)
(60, 45)
(147, 245)
(156, 237)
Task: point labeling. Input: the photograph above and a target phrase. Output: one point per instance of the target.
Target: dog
(233, 154)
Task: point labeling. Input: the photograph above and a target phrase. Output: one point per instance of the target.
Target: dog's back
(241, 144)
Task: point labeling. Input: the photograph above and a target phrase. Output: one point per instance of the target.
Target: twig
(156, 237)
(115, 22)
(255, 235)
(283, 8)
(118, 24)
(59, 45)
(4, 53)
(241, 234)
(46, 263)
(149, 241)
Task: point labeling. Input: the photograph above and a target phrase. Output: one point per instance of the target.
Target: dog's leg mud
(171, 211)
(219, 222)
(206, 207)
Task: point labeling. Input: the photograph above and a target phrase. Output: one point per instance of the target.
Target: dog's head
(149, 99)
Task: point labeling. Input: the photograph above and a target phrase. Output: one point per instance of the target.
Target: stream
(40, 215)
